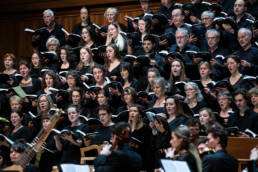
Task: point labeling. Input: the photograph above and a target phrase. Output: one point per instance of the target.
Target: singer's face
(176, 68)
(49, 81)
(98, 75)
(47, 18)
(15, 119)
(134, 114)
(170, 106)
(73, 115)
(15, 105)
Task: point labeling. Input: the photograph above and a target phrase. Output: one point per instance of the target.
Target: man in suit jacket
(219, 161)
(119, 156)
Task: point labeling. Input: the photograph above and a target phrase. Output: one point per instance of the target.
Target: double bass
(37, 144)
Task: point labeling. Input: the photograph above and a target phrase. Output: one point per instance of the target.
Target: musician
(118, 156)
(16, 151)
(183, 149)
(50, 156)
(220, 160)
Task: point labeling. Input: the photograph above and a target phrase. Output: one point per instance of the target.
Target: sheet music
(75, 168)
(175, 166)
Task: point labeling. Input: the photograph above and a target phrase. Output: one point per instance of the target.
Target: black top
(123, 159)
(190, 160)
(241, 83)
(219, 161)
(36, 86)
(229, 121)
(250, 56)
(180, 119)
(144, 134)
(22, 133)
(115, 72)
(71, 152)
(56, 32)
(249, 120)
(166, 11)
(49, 159)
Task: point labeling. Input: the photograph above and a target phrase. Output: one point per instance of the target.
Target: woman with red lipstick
(236, 79)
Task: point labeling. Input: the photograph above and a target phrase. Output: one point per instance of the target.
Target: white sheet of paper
(75, 168)
(175, 166)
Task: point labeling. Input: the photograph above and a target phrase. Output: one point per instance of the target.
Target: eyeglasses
(52, 45)
(189, 90)
(206, 18)
(212, 37)
(180, 37)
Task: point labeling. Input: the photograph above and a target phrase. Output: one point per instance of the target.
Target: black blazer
(123, 159)
(219, 161)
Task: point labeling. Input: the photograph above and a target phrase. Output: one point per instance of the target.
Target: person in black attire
(227, 115)
(127, 76)
(142, 132)
(218, 69)
(175, 113)
(178, 21)
(105, 115)
(149, 46)
(29, 84)
(236, 79)
(161, 137)
(253, 93)
(16, 151)
(166, 8)
(118, 156)
(245, 119)
(69, 144)
(51, 156)
(183, 149)
(248, 53)
(227, 5)
(220, 160)
(182, 45)
(201, 6)
(85, 21)
(240, 14)
(53, 30)
(19, 131)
